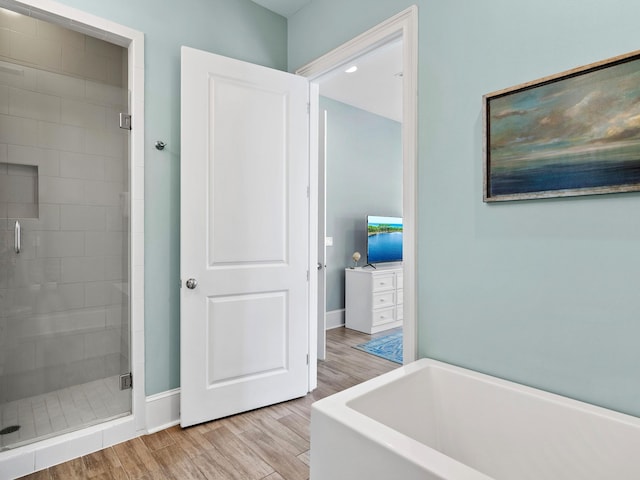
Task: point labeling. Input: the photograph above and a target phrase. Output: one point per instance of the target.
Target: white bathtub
(430, 420)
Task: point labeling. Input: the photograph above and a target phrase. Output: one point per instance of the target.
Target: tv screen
(384, 239)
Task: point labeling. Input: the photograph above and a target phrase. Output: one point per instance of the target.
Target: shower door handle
(17, 236)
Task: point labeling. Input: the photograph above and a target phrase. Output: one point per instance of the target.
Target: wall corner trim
(335, 319)
(163, 410)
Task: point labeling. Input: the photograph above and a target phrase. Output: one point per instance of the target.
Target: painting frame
(569, 134)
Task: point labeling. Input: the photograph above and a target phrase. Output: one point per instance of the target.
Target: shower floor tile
(63, 411)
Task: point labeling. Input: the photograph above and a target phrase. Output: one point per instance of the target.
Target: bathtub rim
(428, 458)
(337, 407)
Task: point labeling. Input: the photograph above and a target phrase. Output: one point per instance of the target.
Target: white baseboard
(62, 448)
(335, 319)
(163, 410)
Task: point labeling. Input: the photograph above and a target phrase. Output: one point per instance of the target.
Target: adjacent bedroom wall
(364, 177)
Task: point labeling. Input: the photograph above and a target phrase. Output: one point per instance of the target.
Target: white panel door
(244, 236)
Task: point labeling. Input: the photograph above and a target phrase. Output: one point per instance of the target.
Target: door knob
(192, 283)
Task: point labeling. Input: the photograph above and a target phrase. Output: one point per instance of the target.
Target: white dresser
(373, 298)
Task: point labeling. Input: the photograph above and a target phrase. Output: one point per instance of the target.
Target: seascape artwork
(574, 135)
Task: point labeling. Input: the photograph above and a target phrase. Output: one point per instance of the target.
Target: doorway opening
(398, 30)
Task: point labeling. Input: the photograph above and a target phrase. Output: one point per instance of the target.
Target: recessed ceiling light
(351, 69)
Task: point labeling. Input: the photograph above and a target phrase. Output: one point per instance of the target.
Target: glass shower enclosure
(64, 237)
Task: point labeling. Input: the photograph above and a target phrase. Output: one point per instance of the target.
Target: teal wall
(541, 292)
(235, 28)
(364, 177)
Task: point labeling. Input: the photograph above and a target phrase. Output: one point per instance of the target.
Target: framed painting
(575, 133)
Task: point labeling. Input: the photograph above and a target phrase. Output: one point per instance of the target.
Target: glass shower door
(64, 253)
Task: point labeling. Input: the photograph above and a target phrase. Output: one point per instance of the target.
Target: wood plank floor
(271, 443)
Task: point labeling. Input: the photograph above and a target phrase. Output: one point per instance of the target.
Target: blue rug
(388, 347)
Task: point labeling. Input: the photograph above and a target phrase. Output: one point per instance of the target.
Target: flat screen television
(384, 239)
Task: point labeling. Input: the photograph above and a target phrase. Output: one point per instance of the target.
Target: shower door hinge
(126, 381)
(125, 121)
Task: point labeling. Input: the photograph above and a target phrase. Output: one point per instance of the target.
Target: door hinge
(125, 121)
(126, 381)
(307, 359)
(308, 275)
(308, 107)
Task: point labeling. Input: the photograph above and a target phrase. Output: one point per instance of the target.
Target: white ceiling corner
(283, 7)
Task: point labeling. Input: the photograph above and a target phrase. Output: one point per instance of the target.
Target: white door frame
(321, 307)
(403, 25)
(25, 460)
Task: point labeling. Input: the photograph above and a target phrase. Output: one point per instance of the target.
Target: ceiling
(375, 87)
(377, 84)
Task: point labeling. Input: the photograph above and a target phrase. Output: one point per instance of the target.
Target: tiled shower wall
(64, 299)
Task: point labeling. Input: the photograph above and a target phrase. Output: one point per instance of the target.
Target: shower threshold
(62, 411)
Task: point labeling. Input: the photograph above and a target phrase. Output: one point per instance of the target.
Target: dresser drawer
(384, 315)
(383, 282)
(373, 298)
(384, 299)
